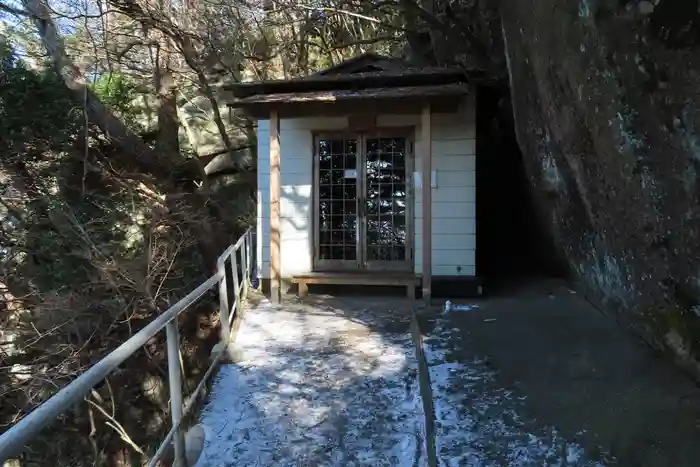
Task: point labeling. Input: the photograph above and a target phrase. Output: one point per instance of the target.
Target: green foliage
(36, 112)
(118, 92)
(41, 131)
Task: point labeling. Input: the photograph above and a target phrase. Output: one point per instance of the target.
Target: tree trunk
(189, 55)
(167, 141)
(141, 155)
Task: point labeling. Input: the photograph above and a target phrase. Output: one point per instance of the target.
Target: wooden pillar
(427, 201)
(275, 194)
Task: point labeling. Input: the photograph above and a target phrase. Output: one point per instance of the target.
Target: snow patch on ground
(478, 422)
(316, 386)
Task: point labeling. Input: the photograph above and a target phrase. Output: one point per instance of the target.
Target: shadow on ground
(543, 354)
(318, 382)
(530, 376)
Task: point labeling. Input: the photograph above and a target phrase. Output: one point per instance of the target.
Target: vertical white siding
(296, 168)
(454, 227)
(454, 199)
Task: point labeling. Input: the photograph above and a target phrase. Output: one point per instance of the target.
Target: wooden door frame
(329, 265)
(408, 265)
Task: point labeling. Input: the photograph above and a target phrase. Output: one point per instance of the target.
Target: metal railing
(13, 440)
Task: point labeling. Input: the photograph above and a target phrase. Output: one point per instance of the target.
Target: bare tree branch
(13, 10)
(112, 127)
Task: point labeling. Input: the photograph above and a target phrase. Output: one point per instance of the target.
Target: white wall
(296, 165)
(454, 199)
(454, 227)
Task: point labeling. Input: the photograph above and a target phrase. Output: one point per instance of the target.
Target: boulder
(606, 103)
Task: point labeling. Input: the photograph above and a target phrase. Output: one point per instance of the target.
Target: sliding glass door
(363, 202)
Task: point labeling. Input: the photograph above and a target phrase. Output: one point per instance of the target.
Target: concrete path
(317, 386)
(569, 373)
(480, 422)
(534, 377)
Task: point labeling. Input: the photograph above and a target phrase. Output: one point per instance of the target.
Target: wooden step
(408, 280)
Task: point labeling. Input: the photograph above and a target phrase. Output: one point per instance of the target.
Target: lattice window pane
(386, 199)
(337, 202)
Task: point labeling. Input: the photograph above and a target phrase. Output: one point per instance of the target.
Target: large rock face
(606, 98)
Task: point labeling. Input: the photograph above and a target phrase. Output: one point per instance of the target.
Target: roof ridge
(357, 63)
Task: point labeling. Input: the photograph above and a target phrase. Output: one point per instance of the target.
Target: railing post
(236, 282)
(175, 382)
(244, 265)
(223, 301)
(249, 256)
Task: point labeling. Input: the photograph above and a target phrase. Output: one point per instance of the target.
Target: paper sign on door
(350, 173)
